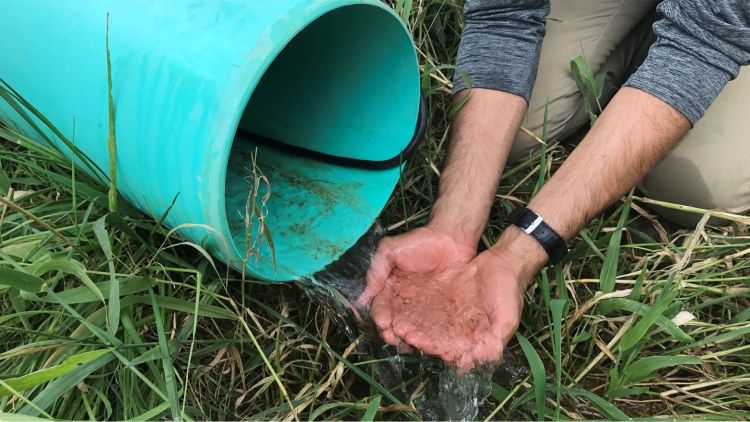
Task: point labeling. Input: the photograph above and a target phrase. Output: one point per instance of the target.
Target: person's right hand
(423, 250)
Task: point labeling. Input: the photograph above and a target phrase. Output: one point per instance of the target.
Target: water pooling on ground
(438, 393)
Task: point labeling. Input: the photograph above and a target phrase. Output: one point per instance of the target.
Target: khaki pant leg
(594, 28)
(710, 168)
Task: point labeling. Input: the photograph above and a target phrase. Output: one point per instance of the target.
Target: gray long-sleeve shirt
(700, 47)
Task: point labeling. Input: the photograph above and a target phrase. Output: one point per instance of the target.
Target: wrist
(457, 228)
(463, 225)
(521, 253)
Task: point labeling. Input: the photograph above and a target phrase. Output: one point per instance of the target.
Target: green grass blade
(181, 305)
(739, 333)
(590, 243)
(4, 182)
(632, 306)
(403, 8)
(68, 266)
(111, 139)
(741, 317)
(152, 414)
(589, 86)
(557, 307)
(372, 409)
(150, 355)
(45, 375)
(113, 308)
(194, 329)
(23, 398)
(166, 360)
(641, 328)
(20, 280)
(537, 372)
(78, 295)
(60, 386)
(608, 410)
(20, 104)
(644, 368)
(12, 417)
(609, 268)
(635, 294)
(109, 339)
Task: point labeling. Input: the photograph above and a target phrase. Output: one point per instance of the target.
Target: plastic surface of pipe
(337, 76)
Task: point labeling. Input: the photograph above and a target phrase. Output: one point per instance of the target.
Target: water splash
(455, 397)
(437, 392)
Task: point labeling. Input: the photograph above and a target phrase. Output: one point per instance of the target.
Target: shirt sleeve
(500, 45)
(700, 47)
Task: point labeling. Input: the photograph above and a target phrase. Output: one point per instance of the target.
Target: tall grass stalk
(111, 133)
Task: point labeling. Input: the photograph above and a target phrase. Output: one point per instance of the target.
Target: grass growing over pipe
(644, 320)
(111, 133)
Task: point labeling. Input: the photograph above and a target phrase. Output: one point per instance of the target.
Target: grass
(110, 316)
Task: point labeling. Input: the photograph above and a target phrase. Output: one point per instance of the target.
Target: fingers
(487, 353)
(415, 336)
(389, 337)
(382, 312)
(414, 339)
(402, 327)
(394, 340)
(404, 348)
(409, 335)
(490, 345)
(374, 286)
(419, 340)
(380, 268)
(382, 315)
(464, 364)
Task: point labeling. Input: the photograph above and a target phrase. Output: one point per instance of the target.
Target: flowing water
(437, 392)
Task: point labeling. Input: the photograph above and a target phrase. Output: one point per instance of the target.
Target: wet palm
(421, 251)
(464, 313)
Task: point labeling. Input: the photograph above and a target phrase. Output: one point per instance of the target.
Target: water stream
(437, 392)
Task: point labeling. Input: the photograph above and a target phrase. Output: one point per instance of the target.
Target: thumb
(380, 268)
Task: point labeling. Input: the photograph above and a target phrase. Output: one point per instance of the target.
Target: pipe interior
(345, 85)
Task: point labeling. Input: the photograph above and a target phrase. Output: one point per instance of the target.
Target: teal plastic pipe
(339, 77)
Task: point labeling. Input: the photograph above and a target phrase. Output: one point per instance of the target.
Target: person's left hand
(465, 314)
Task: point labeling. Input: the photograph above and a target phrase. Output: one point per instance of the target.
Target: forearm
(481, 136)
(631, 136)
(498, 59)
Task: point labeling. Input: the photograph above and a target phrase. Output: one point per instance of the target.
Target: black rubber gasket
(390, 163)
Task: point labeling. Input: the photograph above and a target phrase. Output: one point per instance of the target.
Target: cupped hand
(463, 313)
(421, 251)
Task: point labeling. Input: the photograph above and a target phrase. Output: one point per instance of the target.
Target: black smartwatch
(534, 225)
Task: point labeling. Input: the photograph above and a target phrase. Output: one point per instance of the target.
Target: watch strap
(535, 226)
